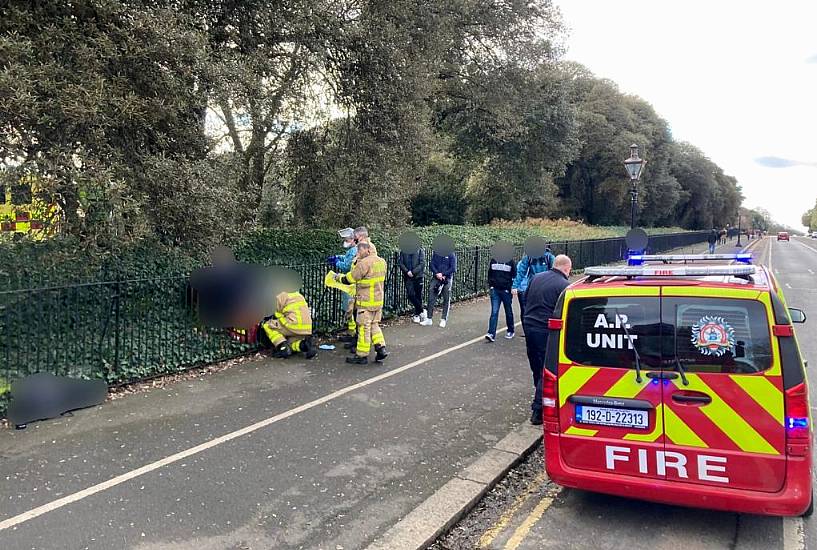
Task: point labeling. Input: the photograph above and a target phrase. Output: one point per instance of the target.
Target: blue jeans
(506, 298)
(711, 248)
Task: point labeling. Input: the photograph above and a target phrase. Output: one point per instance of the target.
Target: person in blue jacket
(343, 264)
(525, 270)
(443, 267)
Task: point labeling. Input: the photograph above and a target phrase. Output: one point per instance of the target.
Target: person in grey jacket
(412, 264)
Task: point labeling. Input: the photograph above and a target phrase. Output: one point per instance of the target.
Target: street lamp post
(634, 166)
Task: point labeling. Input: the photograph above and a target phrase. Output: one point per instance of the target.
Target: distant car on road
(783, 236)
(680, 383)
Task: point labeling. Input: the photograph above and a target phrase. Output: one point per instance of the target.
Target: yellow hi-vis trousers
(369, 333)
(349, 316)
(278, 334)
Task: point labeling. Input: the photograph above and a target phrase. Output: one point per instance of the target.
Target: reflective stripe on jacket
(293, 313)
(369, 277)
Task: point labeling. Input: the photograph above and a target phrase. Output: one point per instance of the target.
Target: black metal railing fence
(127, 330)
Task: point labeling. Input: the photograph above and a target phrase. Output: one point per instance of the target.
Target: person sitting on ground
(289, 329)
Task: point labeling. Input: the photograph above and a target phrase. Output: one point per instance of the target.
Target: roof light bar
(672, 271)
(640, 259)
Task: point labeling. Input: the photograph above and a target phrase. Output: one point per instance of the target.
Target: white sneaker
(509, 335)
(426, 323)
(424, 315)
(416, 319)
(490, 337)
(442, 323)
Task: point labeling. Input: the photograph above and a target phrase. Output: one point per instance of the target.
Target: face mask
(347, 244)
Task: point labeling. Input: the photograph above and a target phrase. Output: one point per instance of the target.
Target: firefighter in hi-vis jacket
(368, 276)
(289, 329)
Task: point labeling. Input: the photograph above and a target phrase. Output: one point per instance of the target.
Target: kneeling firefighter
(368, 276)
(289, 329)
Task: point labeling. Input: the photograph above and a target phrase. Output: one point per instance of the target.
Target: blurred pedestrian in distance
(712, 239)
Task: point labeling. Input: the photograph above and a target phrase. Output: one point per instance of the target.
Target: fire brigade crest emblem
(713, 336)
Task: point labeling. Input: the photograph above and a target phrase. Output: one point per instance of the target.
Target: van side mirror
(797, 315)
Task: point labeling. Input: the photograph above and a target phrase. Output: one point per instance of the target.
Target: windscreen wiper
(635, 351)
(681, 370)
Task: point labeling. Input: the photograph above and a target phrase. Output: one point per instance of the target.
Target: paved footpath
(269, 453)
(340, 454)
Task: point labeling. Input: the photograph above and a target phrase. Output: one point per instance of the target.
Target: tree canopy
(193, 121)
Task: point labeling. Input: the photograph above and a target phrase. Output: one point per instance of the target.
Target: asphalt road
(538, 514)
(332, 473)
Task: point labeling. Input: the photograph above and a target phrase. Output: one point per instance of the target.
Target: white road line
(147, 468)
(788, 286)
(794, 536)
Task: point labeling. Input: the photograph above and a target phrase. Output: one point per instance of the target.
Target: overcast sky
(736, 79)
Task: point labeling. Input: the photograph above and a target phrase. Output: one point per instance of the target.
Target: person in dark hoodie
(412, 264)
(443, 267)
(501, 274)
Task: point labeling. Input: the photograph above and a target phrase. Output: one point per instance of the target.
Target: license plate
(606, 416)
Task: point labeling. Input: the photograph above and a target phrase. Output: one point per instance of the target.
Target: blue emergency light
(637, 258)
(796, 422)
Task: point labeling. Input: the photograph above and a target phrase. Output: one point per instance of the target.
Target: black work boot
(536, 417)
(357, 360)
(283, 351)
(309, 348)
(381, 353)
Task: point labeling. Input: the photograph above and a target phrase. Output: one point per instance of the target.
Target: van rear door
(608, 420)
(726, 427)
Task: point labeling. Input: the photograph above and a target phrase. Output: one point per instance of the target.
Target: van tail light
(555, 324)
(783, 331)
(550, 401)
(798, 431)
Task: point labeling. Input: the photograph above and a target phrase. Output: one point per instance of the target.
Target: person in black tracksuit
(500, 280)
(412, 264)
(542, 295)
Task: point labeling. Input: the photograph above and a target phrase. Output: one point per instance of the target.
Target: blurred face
(364, 252)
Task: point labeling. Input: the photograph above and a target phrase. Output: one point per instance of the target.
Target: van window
(596, 336)
(717, 335)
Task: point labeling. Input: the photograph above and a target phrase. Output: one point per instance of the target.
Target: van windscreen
(596, 335)
(718, 335)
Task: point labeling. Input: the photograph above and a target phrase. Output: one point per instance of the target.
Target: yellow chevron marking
(573, 430)
(679, 432)
(764, 392)
(627, 387)
(573, 379)
(731, 423)
(653, 435)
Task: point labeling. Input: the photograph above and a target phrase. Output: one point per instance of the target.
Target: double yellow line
(487, 538)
